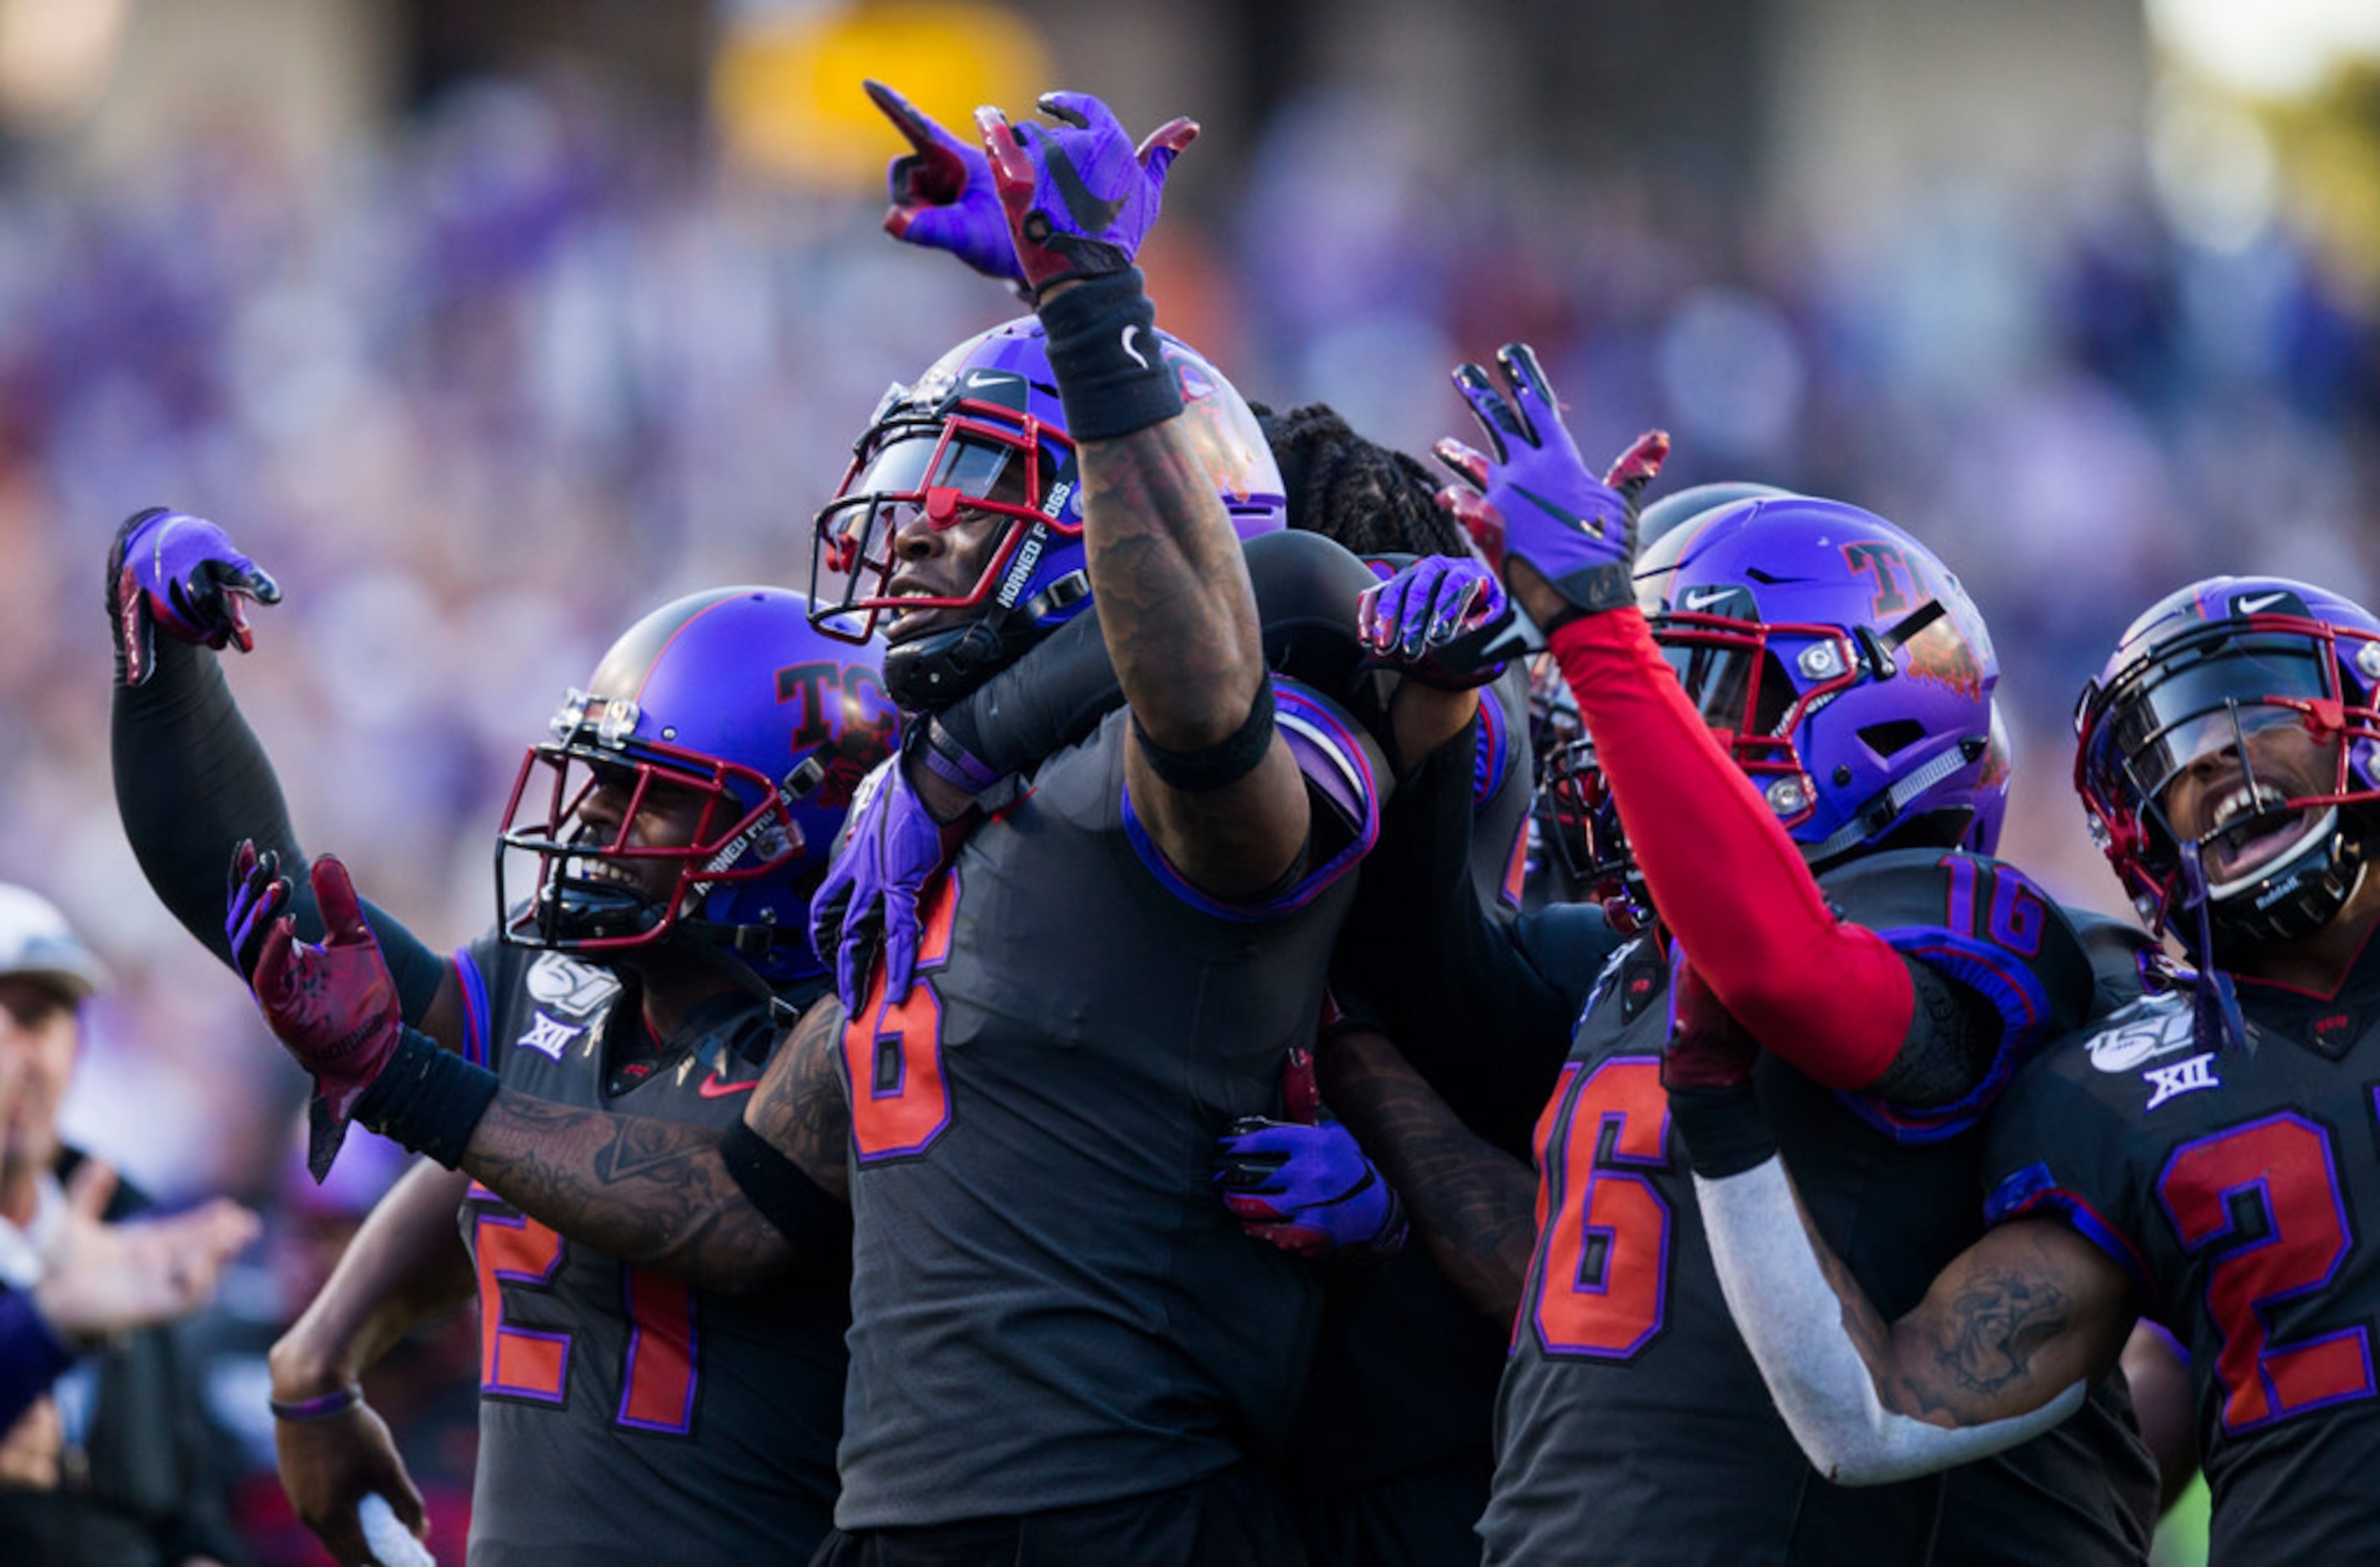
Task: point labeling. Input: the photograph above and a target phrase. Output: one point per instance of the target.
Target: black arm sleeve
(1046, 700)
(1954, 1036)
(192, 781)
(1306, 590)
(1483, 1008)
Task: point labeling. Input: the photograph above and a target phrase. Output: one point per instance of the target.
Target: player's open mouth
(601, 870)
(2252, 828)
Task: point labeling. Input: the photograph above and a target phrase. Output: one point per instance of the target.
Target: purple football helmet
(2193, 678)
(729, 695)
(1843, 666)
(983, 431)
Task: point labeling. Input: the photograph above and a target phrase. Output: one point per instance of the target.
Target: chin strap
(931, 671)
(2216, 1004)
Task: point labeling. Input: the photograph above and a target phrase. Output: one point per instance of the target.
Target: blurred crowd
(481, 392)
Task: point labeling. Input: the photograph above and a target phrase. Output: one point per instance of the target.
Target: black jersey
(1389, 1461)
(625, 1416)
(1503, 787)
(2242, 1191)
(1050, 1308)
(1631, 1423)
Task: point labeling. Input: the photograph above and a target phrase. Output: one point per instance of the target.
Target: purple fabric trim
(475, 1010)
(955, 767)
(2015, 990)
(1494, 755)
(2034, 1190)
(338, 1401)
(1332, 757)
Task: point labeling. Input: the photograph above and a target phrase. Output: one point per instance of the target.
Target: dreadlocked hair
(1371, 500)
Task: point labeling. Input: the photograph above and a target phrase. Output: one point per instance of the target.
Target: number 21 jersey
(622, 1411)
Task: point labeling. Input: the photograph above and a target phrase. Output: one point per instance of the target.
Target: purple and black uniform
(1504, 788)
(1633, 1422)
(1389, 1461)
(2240, 1191)
(623, 1413)
(1051, 1309)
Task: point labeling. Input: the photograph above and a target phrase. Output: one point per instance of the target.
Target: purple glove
(1079, 197)
(942, 193)
(333, 1006)
(1544, 505)
(1308, 1190)
(871, 892)
(1436, 620)
(180, 575)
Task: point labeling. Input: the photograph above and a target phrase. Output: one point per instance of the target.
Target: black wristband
(1723, 1129)
(813, 1222)
(1218, 765)
(1592, 591)
(427, 1099)
(1111, 374)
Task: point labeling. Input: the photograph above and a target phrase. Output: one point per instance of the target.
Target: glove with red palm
(1535, 500)
(182, 576)
(1308, 1190)
(943, 198)
(1707, 1070)
(1442, 620)
(1079, 196)
(332, 1005)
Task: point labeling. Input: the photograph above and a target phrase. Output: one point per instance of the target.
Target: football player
(1061, 1347)
(1804, 727)
(675, 821)
(2203, 1157)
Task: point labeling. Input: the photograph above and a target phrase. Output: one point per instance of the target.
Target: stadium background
(486, 327)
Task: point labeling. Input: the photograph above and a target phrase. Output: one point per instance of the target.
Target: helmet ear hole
(1893, 736)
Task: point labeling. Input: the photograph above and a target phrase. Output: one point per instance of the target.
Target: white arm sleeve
(1794, 1324)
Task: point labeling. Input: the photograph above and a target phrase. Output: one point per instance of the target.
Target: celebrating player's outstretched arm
(2003, 1347)
(656, 1193)
(1215, 785)
(1830, 996)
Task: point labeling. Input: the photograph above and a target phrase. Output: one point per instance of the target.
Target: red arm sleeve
(1831, 998)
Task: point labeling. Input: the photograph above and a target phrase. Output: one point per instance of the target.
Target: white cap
(36, 941)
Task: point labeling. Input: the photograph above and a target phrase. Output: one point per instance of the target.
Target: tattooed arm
(1473, 1204)
(1181, 625)
(2004, 1346)
(656, 1193)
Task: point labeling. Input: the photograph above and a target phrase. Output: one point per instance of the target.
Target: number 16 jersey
(1633, 1425)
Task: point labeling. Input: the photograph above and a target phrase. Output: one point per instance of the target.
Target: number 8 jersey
(625, 1416)
(2242, 1191)
(1633, 1424)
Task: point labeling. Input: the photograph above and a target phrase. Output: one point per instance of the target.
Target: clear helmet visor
(2213, 705)
(944, 473)
(1735, 683)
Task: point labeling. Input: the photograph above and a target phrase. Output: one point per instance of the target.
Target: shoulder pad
(2121, 954)
(1306, 590)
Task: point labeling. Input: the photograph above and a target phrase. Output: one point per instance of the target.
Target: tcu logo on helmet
(844, 712)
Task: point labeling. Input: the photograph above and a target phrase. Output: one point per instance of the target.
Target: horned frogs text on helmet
(730, 694)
